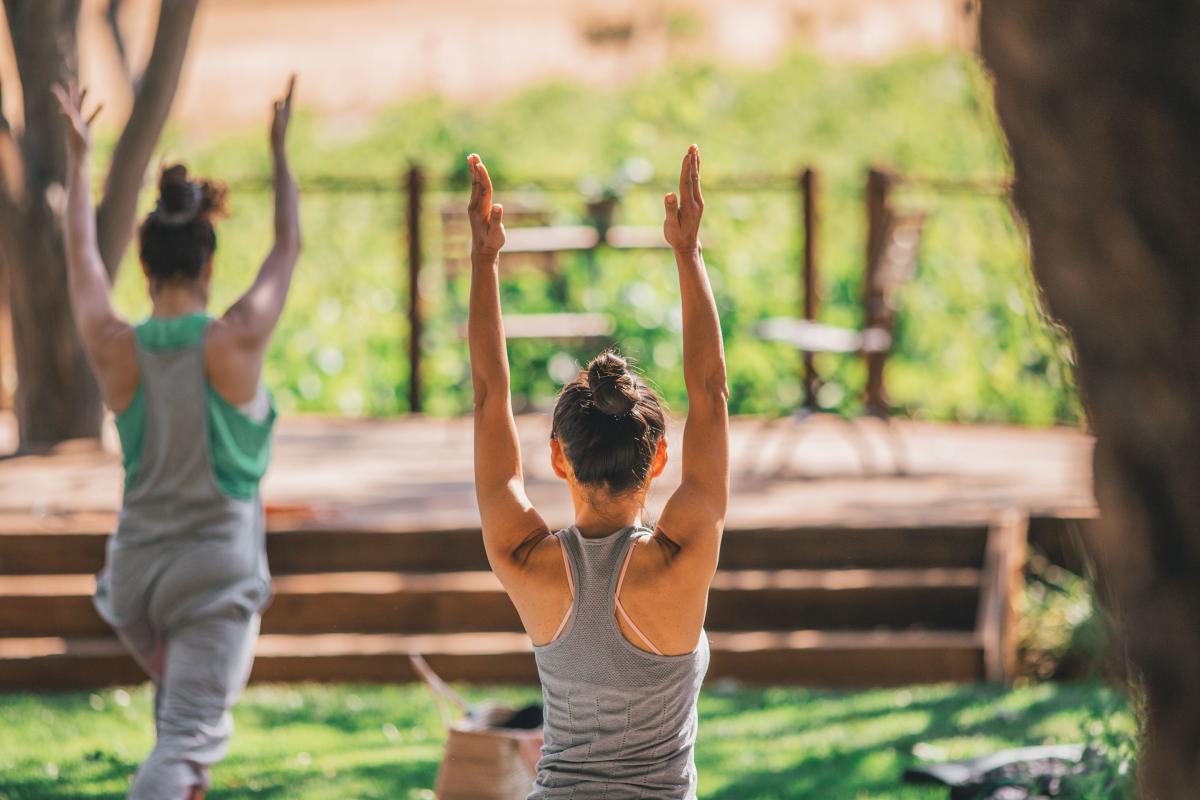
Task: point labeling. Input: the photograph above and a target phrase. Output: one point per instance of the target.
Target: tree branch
(12, 172)
(151, 105)
(113, 16)
(44, 40)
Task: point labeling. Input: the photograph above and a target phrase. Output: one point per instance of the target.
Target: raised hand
(281, 117)
(79, 128)
(487, 219)
(682, 225)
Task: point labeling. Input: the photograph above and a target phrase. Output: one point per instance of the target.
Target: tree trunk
(1101, 105)
(57, 397)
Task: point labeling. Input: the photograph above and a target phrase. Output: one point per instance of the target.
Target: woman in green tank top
(185, 577)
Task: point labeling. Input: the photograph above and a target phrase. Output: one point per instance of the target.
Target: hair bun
(176, 194)
(614, 390)
(181, 200)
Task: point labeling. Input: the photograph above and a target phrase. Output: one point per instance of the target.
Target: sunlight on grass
(313, 742)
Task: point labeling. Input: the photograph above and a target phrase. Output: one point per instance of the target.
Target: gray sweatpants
(198, 671)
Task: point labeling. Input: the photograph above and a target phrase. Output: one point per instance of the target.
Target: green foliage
(971, 345)
(304, 742)
(1061, 632)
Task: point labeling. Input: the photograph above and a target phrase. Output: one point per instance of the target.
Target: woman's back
(620, 717)
(190, 533)
(191, 457)
(620, 721)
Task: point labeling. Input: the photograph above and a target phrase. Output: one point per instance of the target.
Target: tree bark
(1101, 105)
(117, 211)
(57, 397)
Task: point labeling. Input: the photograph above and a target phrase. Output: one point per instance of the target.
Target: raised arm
(107, 338)
(250, 321)
(695, 515)
(508, 518)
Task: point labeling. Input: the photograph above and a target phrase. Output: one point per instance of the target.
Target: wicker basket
(480, 764)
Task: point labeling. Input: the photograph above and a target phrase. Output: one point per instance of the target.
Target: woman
(186, 574)
(615, 609)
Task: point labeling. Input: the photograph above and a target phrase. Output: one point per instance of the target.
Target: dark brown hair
(609, 424)
(178, 237)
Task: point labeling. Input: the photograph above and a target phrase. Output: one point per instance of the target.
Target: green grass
(971, 345)
(304, 742)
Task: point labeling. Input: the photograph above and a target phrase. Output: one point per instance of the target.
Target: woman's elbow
(712, 386)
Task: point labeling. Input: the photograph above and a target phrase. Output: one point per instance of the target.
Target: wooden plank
(550, 239)
(558, 326)
(61, 605)
(814, 658)
(461, 549)
(630, 237)
(51, 552)
(1003, 581)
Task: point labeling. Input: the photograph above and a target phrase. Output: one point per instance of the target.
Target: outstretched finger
(291, 89)
(497, 215)
(485, 185)
(476, 190)
(695, 175)
(671, 203)
(685, 172)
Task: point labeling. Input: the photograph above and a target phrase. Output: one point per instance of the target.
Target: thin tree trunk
(116, 214)
(1101, 105)
(57, 397)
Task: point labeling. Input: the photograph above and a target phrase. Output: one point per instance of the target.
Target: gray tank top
(620, 722)
(182, 546)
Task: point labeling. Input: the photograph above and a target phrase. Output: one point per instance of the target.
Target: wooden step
(44, 552)
(813, 658)
(384, 602)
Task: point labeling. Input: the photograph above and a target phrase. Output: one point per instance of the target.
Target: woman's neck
(177, 301)
(598, 514)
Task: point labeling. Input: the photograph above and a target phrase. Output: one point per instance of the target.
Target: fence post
(414, 187)
(809, 220)
(879, 185)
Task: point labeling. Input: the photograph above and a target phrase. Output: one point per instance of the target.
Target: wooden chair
(893, 239)
(531, 243)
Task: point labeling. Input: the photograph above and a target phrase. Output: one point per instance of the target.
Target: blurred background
(581, 101)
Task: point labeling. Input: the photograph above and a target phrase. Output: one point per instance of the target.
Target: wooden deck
(415, 474)
(856, 553)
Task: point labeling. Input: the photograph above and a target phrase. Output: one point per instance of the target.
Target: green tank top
(240, 447)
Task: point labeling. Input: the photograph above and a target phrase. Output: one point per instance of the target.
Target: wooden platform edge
(1003, 583)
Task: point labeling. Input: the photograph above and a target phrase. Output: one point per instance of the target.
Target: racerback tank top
(620, 722)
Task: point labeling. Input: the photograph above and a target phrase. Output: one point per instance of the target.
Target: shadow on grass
(392, 781)
(875, 767)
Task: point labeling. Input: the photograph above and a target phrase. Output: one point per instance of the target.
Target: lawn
(304, 742)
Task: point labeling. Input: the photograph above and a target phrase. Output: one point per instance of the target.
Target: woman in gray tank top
(615, 608)
(185, 576)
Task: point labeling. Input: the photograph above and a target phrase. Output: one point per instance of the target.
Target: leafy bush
(971, 344)
(1061, 633)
